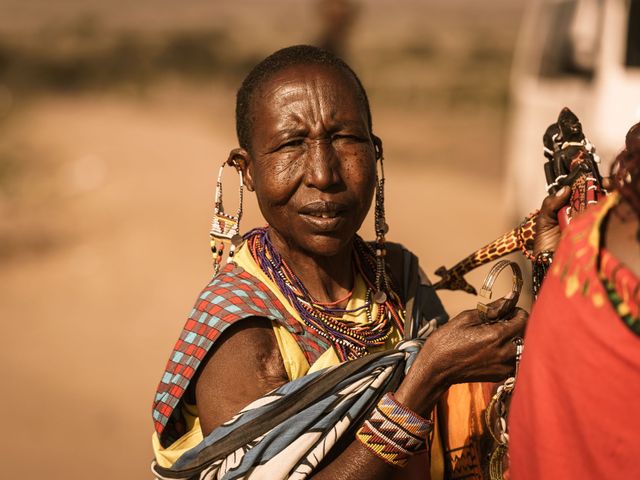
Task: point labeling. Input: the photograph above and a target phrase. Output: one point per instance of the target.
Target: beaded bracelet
(541, 265)
(393, 432)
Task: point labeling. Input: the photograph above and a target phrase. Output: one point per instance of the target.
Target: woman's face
(312, 162)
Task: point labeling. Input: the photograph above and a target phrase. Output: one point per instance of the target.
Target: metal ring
(519, 343)
(512, 297)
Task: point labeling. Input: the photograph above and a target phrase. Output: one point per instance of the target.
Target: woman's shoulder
(235, 292)
(231, 296)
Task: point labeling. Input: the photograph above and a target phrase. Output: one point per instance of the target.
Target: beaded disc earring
(381, 229)
(225, 228)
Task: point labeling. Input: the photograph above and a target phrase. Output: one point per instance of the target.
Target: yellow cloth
(295, 362)
(168, 456)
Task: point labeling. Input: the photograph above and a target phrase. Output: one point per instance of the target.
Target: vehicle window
(570, 32)
(633, 35)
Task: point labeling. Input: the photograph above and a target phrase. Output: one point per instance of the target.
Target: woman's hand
(547, 234)
(470, 349)
(466, 349)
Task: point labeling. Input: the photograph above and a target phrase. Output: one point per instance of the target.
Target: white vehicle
(582, 54)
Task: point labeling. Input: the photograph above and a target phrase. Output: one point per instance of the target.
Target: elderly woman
(306, 293)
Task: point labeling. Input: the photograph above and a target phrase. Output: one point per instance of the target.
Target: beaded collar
(349, 338)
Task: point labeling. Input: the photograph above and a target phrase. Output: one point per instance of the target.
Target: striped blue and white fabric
(287, 433)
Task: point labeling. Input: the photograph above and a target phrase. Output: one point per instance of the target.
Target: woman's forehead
(311, 84)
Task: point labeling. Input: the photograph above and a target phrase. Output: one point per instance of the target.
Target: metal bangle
(512, 297)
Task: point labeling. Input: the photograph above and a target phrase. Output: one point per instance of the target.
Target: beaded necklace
(349, 338)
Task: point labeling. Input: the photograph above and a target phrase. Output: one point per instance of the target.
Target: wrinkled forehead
(336, 86)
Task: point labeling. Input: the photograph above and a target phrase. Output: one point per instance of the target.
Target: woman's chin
(327, 245)
(307, 238)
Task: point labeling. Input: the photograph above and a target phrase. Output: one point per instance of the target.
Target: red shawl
(575, 411)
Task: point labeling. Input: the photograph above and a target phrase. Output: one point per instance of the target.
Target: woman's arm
(247, 364)
(466, 349)
(244, 365)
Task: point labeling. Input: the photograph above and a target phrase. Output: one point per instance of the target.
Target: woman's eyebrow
(350, 125)
(290, 131)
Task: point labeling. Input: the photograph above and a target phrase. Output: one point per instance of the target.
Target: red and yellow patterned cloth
(623, 288)
(228, 298)
(574, 411)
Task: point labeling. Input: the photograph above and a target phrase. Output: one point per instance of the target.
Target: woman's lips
(324, 216)
(322, 208)
(324, 224)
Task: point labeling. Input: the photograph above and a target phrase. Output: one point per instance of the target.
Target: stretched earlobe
(377, 145)
(240, 159)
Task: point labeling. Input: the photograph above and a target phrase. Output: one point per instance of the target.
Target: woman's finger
(553, 203)
(496, 309)
(518, 322)
(547, 232)
(513, 328)
(500, 309)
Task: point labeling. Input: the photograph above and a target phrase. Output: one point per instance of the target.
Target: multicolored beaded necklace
(350, 339)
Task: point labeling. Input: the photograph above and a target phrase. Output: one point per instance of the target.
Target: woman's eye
(353, 138)
(296, 142)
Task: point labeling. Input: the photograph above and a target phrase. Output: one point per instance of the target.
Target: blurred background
(114, 119)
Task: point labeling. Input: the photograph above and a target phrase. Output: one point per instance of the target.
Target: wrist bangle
(540, 267)
(393, 432)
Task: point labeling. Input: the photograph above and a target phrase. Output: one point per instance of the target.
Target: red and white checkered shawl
(227, 299)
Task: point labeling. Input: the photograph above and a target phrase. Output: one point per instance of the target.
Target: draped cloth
(574, 412)
(290, 431)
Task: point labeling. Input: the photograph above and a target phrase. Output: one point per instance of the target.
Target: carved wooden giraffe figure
(520, 238)
(572, 161)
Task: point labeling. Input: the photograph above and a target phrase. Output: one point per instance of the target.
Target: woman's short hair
(276, 62)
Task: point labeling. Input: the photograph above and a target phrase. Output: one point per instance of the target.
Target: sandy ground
(105, 198)
(90, 312)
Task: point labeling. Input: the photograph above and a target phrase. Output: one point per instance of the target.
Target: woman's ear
(241, 160)
(377, 145)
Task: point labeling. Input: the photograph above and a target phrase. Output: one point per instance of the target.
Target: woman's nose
(322, 165)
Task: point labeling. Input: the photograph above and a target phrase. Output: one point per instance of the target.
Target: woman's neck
(326, 278)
